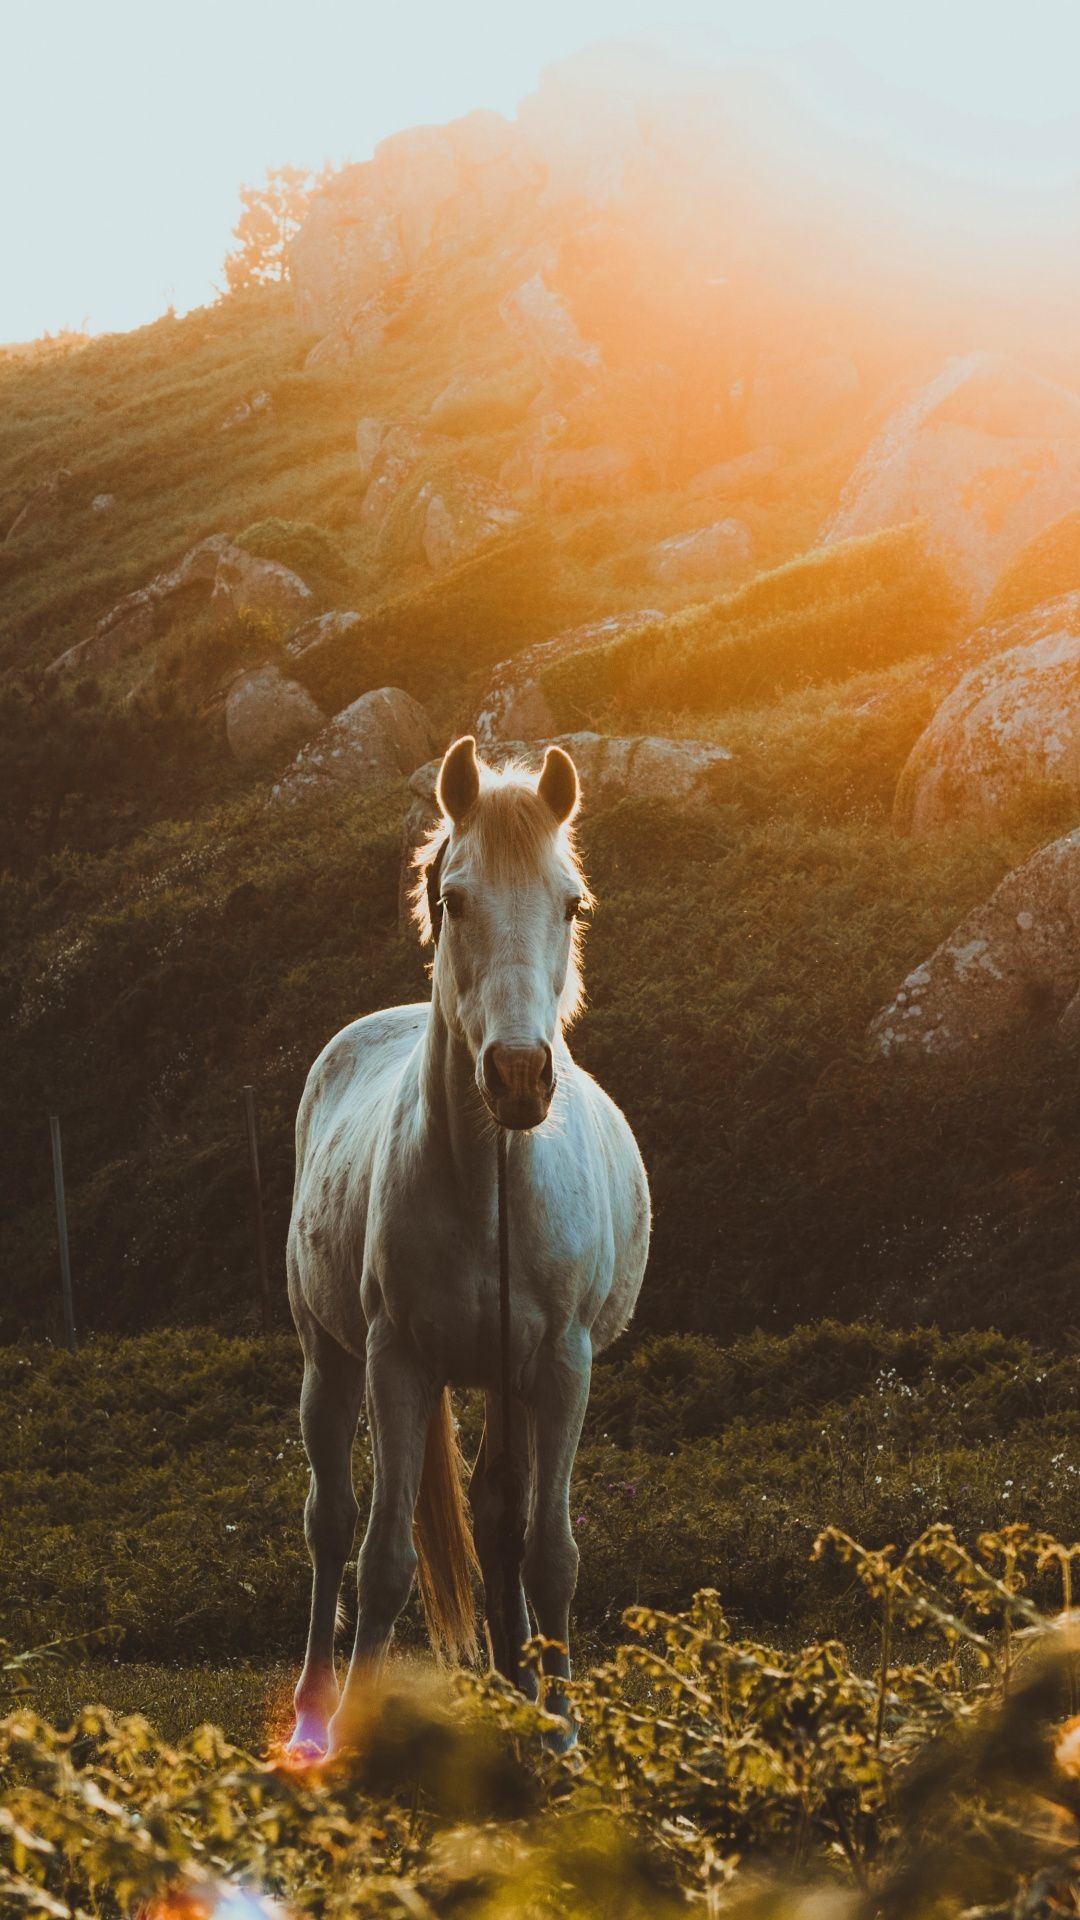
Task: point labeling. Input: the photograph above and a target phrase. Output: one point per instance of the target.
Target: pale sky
(126, 126)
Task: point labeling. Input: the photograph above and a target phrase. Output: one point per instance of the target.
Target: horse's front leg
(401, 1396)
(559, 1398)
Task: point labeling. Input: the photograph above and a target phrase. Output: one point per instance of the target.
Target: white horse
(393, 1247)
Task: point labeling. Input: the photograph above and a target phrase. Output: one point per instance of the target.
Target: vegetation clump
(859, 606)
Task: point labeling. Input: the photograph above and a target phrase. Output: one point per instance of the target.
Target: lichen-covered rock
(388, 455)
(988, 454)
(545, 328)
(136, 619)
(322, 629)
(1012, 720)
(103, 503)
(213, 572)
(1013, 961)
(569, 477)
(380, 738)
(268, 717)
(715, 553)
(460, 514)
(246, 584)
(514, 705)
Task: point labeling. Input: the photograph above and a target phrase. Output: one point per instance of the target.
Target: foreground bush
(715, 1772)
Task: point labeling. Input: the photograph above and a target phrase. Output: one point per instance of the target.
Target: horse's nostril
(518, 1073)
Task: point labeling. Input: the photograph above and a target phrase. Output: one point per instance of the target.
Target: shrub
(305, 549)
(852, 608)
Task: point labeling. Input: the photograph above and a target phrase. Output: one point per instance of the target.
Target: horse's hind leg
(559, 1398)
(494, 1530)
(330, 1403)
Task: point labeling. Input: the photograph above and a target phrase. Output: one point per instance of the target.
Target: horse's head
(500, 893)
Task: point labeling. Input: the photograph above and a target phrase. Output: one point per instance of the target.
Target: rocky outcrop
(480, 403)
(268, 717)
(388, 455)
(610, 769)
(380, 738)
(214, 571)
(40, 505)
(987, 455)
(514, 705)
(711, 554)
(376, 223)
(1013, 961)
(1013, 719)
(546, 330)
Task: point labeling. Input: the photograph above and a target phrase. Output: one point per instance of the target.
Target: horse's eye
(573, 908)
(452, 902)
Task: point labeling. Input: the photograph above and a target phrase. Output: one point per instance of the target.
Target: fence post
(257, 1200)
(62, 1232)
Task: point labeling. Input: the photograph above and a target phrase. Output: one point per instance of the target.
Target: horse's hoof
(560, 1739)
(308, 1743)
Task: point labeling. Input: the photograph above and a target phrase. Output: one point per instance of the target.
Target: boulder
(380, 738)
(460, 515)
(244, 583)
(1012, 719)
(389, 455)
(324, 627)
(711, 554)
(514, 705)
(792, 405)
(256, 405)
(480, 403)
(544, 327)
(40, 505)
(988, 455)
(103, 503)
(685, 770)
(268, 717)
(1013, 961)
(213, 572)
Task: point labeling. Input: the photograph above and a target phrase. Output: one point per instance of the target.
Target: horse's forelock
(512, 830)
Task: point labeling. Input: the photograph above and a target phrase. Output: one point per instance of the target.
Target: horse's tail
(444, 1543)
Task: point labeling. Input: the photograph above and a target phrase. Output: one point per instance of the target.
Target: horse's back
(347, 1090)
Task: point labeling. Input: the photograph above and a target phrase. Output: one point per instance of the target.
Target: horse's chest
(444, 1293)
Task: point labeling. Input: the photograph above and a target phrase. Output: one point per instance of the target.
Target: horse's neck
(454, 1123)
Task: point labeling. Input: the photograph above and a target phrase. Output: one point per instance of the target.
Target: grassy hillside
(167, 939)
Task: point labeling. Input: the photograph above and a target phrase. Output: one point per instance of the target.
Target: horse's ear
(558, 785)
(459, 779)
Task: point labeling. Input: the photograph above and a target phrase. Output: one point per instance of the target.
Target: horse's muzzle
(518, 1084)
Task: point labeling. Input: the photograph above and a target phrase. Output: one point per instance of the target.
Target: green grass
(856, 607)
(152, 1487)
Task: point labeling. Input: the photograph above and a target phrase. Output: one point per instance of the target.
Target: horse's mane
(511, 828)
